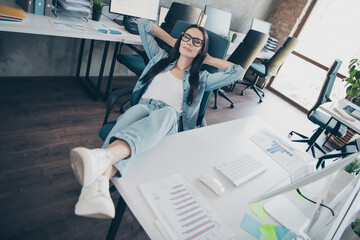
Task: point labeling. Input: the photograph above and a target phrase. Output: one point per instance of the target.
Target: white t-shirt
(167, 88)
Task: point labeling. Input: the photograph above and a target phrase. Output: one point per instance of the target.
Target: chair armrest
(114, 96)
(140, 52)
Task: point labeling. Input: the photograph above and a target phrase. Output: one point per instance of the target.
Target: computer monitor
(217, 21)
(307, 177)
(137, 8)
(297, 181)
(260, 26)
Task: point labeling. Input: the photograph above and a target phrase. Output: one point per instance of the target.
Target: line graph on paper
(182, 211)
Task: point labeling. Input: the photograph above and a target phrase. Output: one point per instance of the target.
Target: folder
(39, 7)
(27, 5)
(11, 13)
(48, 7)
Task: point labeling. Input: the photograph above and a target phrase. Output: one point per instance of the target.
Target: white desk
(196, 152)
(41, 25)
(329, 108)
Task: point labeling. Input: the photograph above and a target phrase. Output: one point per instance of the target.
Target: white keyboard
(241, 169)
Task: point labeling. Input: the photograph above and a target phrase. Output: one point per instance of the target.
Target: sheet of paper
(251, 225)
(183, 211)
(258, 209)
(68, 26)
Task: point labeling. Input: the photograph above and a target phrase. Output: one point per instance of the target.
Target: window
(329, 33)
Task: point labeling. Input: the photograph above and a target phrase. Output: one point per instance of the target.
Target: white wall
(35, 55)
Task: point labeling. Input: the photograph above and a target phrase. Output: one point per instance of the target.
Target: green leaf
(352, 73)
(348, 90)
(357, 75)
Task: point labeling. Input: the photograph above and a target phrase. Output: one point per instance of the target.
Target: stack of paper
(11, 14)
(74, 8)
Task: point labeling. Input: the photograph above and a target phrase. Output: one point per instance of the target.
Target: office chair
(270, 68)
(180, 11)
(320, 118)
(245, 54)
(343, 151)
(217, 48)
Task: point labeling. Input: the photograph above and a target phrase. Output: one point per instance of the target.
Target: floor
(43, 118)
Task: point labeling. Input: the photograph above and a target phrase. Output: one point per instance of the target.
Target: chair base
(222, 94)
(256, 89)
(310, 141)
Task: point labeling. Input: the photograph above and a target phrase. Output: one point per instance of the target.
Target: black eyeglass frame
(191, 38)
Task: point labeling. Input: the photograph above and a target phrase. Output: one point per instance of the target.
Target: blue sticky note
(251, 225)
(114, 32)
(281, 232)
(104, 31)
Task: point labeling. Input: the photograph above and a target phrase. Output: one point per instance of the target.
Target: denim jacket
(207, 81)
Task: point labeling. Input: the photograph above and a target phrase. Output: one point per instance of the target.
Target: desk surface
(329, 108)
(41, 25)
(197, 152)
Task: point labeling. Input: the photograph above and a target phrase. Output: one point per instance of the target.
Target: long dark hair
(195, 66)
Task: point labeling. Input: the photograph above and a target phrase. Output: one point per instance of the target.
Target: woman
(166, 99)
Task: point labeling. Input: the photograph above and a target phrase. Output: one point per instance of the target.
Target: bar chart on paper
(290, 158)
(182, 211)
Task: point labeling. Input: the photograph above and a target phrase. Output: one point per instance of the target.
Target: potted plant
(353, 167)
(353, 81)
(352, 232)
(97, 9)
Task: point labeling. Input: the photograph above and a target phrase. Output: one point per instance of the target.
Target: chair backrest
(274, 63)
(248, 49)
(327, 87)
(180, 11)
(217, 21)
(218, 46)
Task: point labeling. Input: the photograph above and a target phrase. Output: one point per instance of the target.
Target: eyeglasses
(196, 41)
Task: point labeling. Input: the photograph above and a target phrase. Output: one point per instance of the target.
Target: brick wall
(285, 16)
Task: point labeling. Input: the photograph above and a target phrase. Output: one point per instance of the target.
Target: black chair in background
(245, 54)
(269, 68)
(180, 11)
(320, 118)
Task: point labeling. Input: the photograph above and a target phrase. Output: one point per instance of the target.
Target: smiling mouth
(187, 49)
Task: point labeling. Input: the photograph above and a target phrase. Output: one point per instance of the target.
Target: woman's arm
(146, 33)
(217, 62)
(160, 33)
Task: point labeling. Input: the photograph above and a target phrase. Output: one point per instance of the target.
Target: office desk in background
(196, 152)
(332, 109)
(41, 25)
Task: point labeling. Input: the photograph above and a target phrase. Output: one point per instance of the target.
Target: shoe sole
(96, 212)
(79, 165)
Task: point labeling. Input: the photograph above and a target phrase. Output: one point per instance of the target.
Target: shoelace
(104, 154)
(98, 189)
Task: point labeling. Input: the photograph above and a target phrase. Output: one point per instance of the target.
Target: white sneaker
(89, 164)
(95, 200)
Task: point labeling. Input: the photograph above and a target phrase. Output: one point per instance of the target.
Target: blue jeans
(142, 126)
